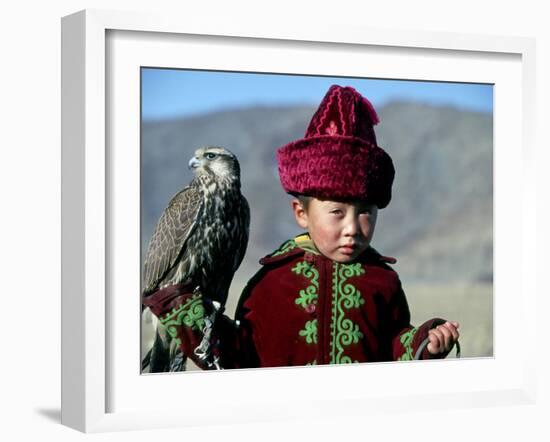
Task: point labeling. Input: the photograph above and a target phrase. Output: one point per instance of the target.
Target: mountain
(439, 224)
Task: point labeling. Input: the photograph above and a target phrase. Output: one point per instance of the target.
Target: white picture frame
(90, 172)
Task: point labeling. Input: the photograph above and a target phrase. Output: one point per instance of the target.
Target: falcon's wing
(244, 232)
(173, 228)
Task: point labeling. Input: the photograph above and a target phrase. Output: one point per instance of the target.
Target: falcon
(200, 239)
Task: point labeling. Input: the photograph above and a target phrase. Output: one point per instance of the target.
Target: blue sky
(171, 93)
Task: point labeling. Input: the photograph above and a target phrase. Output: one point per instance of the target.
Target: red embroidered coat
(303, 309)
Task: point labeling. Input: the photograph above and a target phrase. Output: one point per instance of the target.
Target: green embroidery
(345, 296)
(189, 314)
(286, 247)
(310, 294)
(310, 332)
(347, 360)
(406, 340)
(352, 296)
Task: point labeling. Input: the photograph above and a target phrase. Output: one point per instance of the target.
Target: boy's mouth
(348, 249)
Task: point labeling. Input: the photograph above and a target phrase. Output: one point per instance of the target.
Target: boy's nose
(352, 226)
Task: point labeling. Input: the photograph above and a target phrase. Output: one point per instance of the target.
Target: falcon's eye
(210, 155)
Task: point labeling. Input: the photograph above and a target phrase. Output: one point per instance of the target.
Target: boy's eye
(336, 211)
(367, 209)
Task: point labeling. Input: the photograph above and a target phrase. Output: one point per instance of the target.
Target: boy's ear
(299, 213)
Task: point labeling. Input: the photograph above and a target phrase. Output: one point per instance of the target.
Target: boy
(324, 297)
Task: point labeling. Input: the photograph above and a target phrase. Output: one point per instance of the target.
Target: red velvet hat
(339, 158)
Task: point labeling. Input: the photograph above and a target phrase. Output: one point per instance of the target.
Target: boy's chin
(346, 260)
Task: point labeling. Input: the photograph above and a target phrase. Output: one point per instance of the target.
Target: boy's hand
(442, 337)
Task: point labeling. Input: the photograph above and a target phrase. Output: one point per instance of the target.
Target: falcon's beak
(194, 163)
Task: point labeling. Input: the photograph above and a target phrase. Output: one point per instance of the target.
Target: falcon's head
(215, 161)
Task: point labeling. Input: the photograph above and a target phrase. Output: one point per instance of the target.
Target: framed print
(108, 61)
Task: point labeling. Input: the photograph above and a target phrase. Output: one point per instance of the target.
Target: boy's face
(340, 230)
